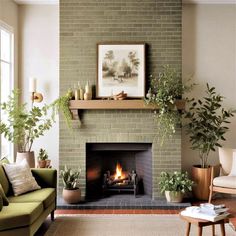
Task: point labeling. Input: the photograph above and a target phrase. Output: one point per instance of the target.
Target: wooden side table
(201, 223)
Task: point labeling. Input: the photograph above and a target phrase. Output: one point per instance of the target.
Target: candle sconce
(36, 97)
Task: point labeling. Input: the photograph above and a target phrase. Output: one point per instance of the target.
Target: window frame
(5, 27)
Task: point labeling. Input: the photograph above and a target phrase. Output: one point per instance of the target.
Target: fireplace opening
(116, 168)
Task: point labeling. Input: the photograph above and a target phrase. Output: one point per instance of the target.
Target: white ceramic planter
(29, 156)
(174, 196)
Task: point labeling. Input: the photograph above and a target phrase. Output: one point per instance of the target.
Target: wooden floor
(229, 202)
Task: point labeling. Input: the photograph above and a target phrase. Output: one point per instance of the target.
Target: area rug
(125, 225)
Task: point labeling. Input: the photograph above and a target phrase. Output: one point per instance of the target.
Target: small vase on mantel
(29, 156)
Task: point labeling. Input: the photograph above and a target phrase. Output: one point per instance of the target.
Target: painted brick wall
(84, 23)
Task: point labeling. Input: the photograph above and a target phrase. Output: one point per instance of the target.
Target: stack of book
(207, 211)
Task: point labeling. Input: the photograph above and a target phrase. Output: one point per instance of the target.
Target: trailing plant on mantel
(62, 104)
(207, 122)
(164, 90)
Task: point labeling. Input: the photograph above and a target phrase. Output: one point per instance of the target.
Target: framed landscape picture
(121, 67)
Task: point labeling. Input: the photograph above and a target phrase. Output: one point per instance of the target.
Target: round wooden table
(201, 223)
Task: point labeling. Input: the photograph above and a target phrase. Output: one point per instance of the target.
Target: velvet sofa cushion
(4, 181)
(225, 181)
(3, 196)
(19, 214)
(45, 195)
(1, 203)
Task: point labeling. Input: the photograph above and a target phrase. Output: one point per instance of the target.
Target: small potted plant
(70, 178)
(175, 185)
(43, 161)
(206, 125)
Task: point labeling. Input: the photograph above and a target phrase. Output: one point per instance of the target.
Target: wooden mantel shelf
(115, 105)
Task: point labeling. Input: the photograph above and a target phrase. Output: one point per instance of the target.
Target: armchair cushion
(233, 169)
(226, 159)
(225, 181)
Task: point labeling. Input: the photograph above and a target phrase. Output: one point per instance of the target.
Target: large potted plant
(71, 191)
(22, 127)
(206, 126)
(175, 185)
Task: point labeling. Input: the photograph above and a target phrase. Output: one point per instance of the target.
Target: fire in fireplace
(120, 181)
(118, 168)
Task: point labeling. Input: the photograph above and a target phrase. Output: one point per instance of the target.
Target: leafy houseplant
(175, 185)
(62, 104)
(163, 92)
(207, 123)
(22, 126)
(43, 159)
(70, 178)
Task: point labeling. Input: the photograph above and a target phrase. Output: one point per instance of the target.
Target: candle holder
(36, 97)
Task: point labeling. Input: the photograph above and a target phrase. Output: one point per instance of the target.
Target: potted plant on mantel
(165, 89)
(206, 126)
(175, 185)
(71, 191)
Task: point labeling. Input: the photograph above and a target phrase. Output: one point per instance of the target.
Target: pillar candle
(32, 85)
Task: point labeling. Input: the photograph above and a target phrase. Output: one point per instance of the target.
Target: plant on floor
(21, 126)
(163, 92)
(207, 123)
(70, 178)
(178, 181)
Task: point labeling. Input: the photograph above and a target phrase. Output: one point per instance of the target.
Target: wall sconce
(35, 97)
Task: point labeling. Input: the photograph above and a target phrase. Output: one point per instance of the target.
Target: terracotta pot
(71, 196)
(202, 181)
(42, 163)
(29, 156)
(174, 196)
(48, 163)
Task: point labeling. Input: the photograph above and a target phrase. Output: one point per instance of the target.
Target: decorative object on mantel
(120, 96)
(28, 125)
(71, 191)
(121, 66)
(88, 92)
(206, 125)
(175, 185)
(163, 93)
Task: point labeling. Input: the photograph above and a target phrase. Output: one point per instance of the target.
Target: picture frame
(120, 67)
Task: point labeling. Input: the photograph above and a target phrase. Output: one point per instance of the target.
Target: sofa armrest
(45, 177)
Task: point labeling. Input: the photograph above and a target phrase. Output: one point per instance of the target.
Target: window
(6, 80)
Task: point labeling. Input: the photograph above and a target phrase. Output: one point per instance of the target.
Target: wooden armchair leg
(52, 216)
(210, 195)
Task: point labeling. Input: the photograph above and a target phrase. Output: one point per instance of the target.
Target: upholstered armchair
(223, 177)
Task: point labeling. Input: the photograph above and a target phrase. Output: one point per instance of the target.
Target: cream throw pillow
(233, 170)
(21, 178)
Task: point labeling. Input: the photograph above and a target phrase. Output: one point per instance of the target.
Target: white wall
(39, 57)
(9, 15)
(209, 54)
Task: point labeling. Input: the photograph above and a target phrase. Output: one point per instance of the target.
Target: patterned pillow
(21, 178)
(3, 196)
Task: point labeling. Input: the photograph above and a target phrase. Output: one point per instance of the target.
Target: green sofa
(25, 213)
